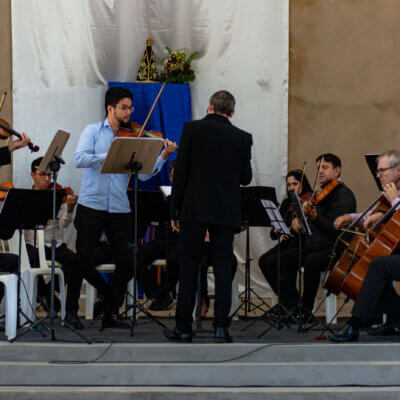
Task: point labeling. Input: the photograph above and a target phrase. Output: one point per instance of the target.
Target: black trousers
(8, 262)
(314, 262)
(206, 262)
(90, 224)
(191, 252)
(377, 294)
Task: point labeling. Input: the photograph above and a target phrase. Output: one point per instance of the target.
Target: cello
(348, 274)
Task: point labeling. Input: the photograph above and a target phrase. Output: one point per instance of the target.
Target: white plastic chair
(330, 304)
(91, 292)
(10, 304)
(31, 275)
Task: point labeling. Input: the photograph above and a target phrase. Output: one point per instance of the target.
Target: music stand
(306, 231)
(279, 225)
(152, 208)
(253, 214)
(26, 209)
(129, 156)
(52, 162)
(371, 160)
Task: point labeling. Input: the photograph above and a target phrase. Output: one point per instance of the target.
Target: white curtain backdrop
(66, 51)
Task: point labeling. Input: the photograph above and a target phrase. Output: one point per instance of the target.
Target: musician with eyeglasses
(103, 203)
(377, 294)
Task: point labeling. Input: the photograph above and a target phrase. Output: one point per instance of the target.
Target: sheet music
(298, 210)
(166, 190)
(275, 217)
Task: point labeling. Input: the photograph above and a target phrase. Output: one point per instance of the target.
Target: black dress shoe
(386, 329)
(72, 319)
(222, 335)
(346, 335)
(112, 320)
(99, 307)
(177, 336)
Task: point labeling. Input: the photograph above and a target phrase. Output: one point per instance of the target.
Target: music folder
(145, 150)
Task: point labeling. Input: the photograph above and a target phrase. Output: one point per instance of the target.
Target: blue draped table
(172, 111)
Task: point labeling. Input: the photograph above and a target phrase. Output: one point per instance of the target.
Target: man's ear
(231, 114)
(338, 171)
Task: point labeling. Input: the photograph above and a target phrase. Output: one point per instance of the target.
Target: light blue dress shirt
(105, 192)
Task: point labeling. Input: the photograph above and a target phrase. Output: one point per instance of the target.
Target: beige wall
(5, 73)
(344, 85)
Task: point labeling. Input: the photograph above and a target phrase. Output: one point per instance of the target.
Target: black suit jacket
(213, 161)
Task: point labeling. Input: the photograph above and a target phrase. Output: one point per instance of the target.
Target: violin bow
(3, 97)
(151, 111)
(147, 119)
(316, 180)
(302, 174)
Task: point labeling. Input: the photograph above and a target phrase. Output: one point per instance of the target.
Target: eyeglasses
(126, 108)
(44, 174)
(380, 171)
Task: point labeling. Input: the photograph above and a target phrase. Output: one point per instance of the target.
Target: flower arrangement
(177, 67)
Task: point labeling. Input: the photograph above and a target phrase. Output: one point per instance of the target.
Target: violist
(317, 247)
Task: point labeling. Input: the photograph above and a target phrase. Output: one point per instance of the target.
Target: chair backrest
(13, 244)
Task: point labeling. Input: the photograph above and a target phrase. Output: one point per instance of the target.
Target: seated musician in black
(295, 180)
(9, 262)
(317, 247)
(377, 295)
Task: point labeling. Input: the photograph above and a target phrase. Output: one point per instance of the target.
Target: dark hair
(296, 173)
(35, 164)
(223, 102)
(172, 165)
(330, 158)
(115, 94)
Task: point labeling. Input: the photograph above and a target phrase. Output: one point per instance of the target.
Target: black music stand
(27, 209)
(304, 231)
(275, 318)
(152, 208)
(253, 214)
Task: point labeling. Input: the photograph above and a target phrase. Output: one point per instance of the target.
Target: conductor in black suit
(213, 161)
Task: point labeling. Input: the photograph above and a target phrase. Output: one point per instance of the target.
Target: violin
(134, 129)
(317, 198)
(68, 192)
(4, 188)
(6, 130)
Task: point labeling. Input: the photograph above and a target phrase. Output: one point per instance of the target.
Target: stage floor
(150, 332)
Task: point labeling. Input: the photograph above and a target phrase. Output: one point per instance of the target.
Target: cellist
(377, 294)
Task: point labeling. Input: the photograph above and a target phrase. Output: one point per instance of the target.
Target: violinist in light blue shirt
(104, 206)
